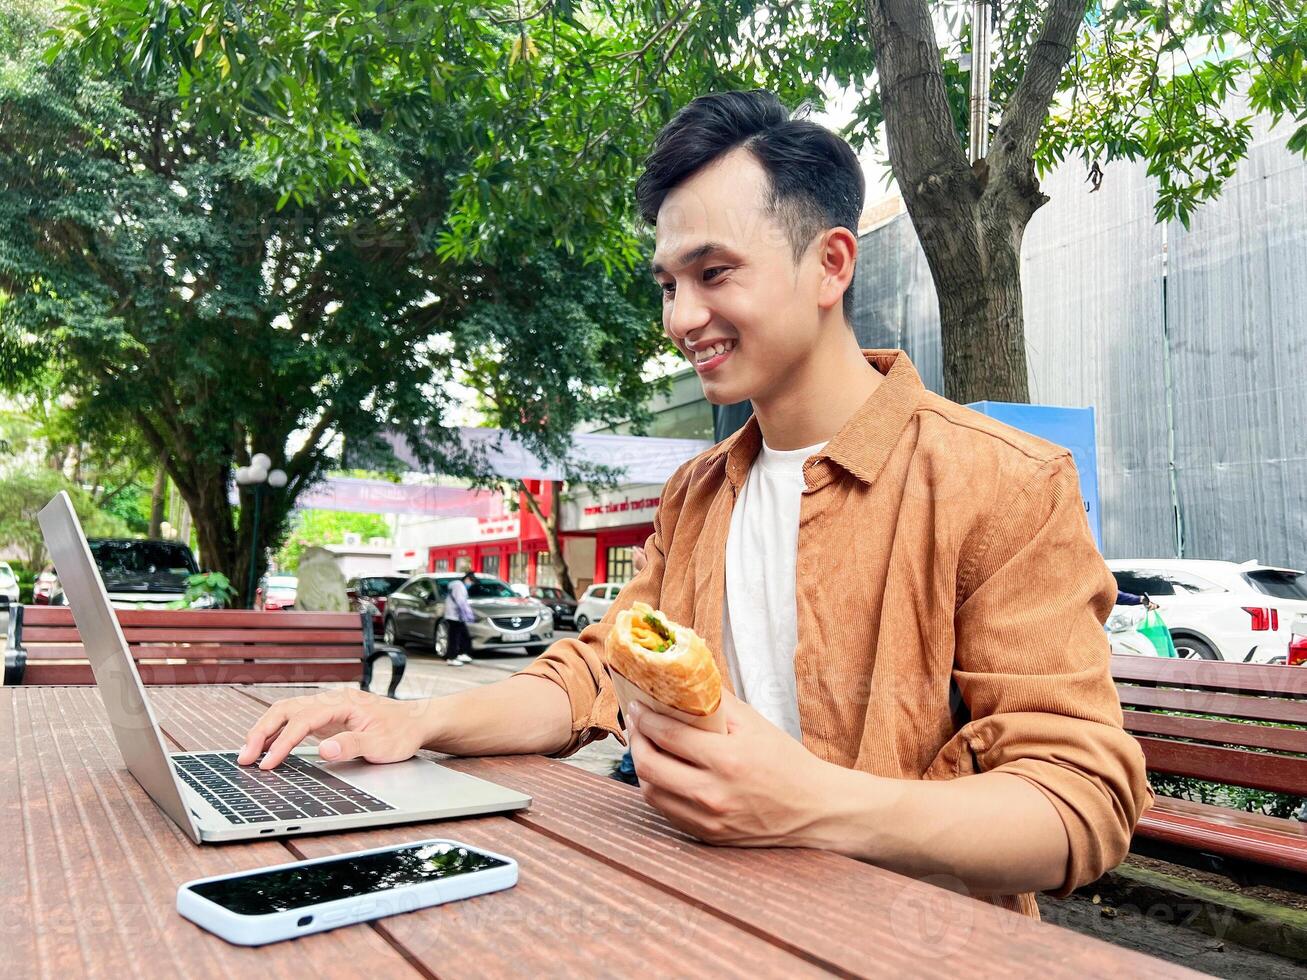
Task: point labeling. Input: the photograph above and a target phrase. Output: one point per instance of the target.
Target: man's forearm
(988, 834)
(519, 715)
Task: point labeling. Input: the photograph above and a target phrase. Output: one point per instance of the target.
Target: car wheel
(441, 644)
(388, 634)
(582, 622)
(1192, 648)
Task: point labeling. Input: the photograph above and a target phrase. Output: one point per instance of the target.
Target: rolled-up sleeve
(578, 665)
(1032, 664)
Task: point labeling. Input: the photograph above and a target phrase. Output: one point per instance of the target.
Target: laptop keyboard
(295, 790)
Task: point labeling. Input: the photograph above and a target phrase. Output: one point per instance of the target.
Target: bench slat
(1281, 850)
(1256, 770)
(226, 618)
(216, 673)
(48, 634)
(42, 651)
(1214, 703)
(1223, 732)
(1270, 679)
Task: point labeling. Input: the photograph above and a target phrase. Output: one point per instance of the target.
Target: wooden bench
(204, 646)
(1223, 747)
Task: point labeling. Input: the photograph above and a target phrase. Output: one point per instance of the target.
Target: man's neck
(819, 397)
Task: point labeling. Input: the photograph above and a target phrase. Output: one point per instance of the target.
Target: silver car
(415, 613)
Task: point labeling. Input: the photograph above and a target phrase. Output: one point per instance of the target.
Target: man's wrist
(847, 806)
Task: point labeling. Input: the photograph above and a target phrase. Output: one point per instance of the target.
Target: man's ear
(837, 251)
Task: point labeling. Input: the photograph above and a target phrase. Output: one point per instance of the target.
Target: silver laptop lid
(134, 724)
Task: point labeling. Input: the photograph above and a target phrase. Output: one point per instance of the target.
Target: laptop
(207, 794)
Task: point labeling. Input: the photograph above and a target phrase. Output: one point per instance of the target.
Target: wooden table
(607, 888)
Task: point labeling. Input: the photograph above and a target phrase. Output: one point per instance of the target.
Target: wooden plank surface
(92, 869)
(850, 917)
(607, 889)
(1277, 680)
(1219, 732)
(1214, 703)
(569, 914)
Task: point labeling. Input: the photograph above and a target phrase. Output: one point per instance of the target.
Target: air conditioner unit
(378, 542)
(353, 539)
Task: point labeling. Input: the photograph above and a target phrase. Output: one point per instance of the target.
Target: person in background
(458, 613)
(1130, 599)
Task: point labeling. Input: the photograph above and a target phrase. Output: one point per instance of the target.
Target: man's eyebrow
(693, 255)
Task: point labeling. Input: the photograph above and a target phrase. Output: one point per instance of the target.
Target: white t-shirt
(759, 621)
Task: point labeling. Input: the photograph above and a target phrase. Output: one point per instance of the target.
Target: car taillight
(1298, 651)
(1263, 618)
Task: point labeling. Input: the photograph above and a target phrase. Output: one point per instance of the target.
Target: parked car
(8, 586)
(370, 592)
(415, 613)
(1220, 610)
(142, 573)
(595, 602)
(1298, 643)
(562, 604)
(276, 592)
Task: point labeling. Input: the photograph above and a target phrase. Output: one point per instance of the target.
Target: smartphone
(269, 904)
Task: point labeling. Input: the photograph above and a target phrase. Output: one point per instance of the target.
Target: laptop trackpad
(420, 783)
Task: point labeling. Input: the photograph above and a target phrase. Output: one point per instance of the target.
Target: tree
(578, 89)
(24, 493)
(154, 261)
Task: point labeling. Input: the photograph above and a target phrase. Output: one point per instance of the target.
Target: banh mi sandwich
(669, 662)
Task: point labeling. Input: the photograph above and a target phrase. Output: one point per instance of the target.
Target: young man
(903, 595)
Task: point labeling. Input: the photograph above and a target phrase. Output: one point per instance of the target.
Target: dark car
(563, 605)
(141, 573)
(415, 614)
(371, 591)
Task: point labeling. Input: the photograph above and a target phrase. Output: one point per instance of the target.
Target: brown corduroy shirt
(950, 606)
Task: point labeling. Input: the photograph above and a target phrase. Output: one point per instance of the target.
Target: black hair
(816, 180)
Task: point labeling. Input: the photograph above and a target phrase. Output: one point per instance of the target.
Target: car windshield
(379, 585)
(482, 588)
(1277, 583)
(144, 564)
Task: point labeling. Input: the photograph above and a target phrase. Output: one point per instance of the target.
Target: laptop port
(304, 920)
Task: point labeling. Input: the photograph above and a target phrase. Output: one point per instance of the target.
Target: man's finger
(660, 769)
(292, 734)
(351, 745)
(676, 737)
(265, 728)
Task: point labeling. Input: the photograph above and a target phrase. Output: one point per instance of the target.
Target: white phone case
(255, 930)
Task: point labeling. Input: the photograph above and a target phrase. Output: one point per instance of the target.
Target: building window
(462, 564)
(545, 574)
(619, 565)
(442, 564)
(517, 567)
(490, 565)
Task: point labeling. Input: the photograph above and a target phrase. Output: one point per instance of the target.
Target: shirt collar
(867, 439)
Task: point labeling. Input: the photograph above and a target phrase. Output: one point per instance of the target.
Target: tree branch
(924, 148)
(1013, 149)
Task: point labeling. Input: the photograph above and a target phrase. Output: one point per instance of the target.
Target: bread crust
(684, 677)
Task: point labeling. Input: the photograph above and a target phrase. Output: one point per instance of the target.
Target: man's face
(734, 302)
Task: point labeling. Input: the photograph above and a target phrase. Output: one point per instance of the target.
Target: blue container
(1072, 428)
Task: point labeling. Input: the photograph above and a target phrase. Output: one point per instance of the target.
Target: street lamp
(256, 476)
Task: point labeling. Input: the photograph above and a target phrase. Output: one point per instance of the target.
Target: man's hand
(361, 726)
(753, 786)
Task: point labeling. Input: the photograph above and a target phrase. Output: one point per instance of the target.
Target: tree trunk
(156, 498)
(969, 217)
(550, 524)
(982, 330)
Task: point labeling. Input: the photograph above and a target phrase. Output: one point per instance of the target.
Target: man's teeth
(716, 349)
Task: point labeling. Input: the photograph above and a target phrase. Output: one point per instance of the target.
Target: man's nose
(684, 314)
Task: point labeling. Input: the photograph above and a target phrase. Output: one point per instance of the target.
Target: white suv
(1220, 610)
(8, 586)
(594, 603)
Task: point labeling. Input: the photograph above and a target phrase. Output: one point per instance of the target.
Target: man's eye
(668, 288)
(708, 273)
